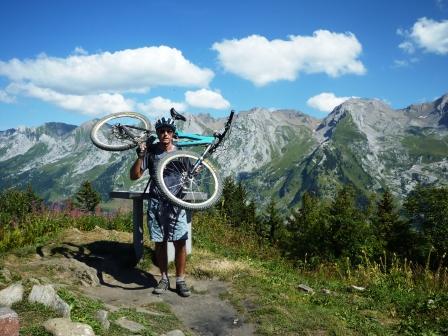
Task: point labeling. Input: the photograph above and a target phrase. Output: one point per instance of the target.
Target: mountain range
(279, 154)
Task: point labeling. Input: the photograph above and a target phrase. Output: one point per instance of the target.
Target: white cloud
(426, 34)
(407, 47)
(80, 51)
(326, 101)
(95, 104)
(206, 99)
(121, 71)
(262, 61)
(6, 98)
(159, 106)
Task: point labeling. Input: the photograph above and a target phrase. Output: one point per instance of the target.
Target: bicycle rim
(106, 133)
(199, 191)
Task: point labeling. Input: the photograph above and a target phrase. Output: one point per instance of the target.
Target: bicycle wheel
(108, 134)
(193, 191)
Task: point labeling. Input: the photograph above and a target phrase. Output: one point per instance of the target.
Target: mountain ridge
(279, 154)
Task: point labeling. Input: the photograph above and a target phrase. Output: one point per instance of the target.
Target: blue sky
(72, 61)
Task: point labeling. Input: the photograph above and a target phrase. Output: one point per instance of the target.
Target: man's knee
(179, 244)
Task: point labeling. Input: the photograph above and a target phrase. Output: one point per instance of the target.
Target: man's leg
(180, 251)
(180, 257)
(162, 258)
(162, 263)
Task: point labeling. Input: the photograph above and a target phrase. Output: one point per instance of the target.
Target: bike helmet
(168, 123)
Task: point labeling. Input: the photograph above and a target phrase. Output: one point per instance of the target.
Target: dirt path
(97, 261)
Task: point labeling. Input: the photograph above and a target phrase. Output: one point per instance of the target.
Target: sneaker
(162, 286)
(182, 289)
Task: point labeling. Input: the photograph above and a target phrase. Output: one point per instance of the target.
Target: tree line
(321, 230)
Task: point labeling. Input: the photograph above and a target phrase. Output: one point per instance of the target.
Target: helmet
(168, 123)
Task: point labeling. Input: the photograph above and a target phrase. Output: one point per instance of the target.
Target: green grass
(32, 315)
(39, 227)
(397, 300)
(429, 148)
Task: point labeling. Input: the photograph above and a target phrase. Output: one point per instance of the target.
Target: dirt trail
(100, 256)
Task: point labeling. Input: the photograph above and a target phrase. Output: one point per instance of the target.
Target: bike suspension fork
(199, 161)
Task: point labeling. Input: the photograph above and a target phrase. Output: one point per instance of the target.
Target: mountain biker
(166, 222)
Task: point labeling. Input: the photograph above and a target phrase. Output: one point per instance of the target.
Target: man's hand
(141, 150)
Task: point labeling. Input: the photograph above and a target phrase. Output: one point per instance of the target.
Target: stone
(358, 288)
(326, 291)
(306, 288)
(199, 288)
(175, 332)
(86, 275)
(129, 325)
(11, 294)
(46, 295)
(65, 327)
(9, 322)
(102, 317)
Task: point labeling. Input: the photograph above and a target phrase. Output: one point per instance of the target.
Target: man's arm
(136, 170)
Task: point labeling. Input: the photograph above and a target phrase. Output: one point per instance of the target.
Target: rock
(46, 295)
(5, 274)
(11, 294)
(9, 322)
(65, 327)
(326, 291)
(129, 325)
(358, 288)
(176, 332)
(200, 288)
(306, 288)
(101, 316)
(85, 274)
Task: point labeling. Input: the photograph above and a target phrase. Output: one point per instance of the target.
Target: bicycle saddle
(176, 115)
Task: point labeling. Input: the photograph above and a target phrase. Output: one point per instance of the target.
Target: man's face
(165, 135)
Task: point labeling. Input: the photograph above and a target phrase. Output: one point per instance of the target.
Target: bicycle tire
(96, 133)
(200, 192)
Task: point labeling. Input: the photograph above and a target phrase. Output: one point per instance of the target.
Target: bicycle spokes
(190, 186)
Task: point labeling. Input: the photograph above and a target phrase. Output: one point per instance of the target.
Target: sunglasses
(161, 131)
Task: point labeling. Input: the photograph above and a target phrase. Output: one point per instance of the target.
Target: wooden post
(137, 220)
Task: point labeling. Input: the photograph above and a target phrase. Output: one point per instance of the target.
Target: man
(166, 223)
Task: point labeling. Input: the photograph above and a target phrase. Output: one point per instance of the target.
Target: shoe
(162, 286)
(182, 289)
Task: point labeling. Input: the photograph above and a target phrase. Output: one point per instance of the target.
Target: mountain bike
(197, 184)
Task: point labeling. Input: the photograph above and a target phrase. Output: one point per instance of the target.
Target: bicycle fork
(199, 161)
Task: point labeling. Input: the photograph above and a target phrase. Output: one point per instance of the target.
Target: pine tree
(427, 209)
(273, 222)
(87, 198)
(350, 231)
(393, 233)
(309, 231)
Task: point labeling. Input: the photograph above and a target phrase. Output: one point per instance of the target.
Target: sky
(73, 61)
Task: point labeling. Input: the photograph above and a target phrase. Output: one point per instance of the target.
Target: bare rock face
(9, 322)
(129, 325)
(48, 297)
(86, 275)
(65, 327)
(11, 295)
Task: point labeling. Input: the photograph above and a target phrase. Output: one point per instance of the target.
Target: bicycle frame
(193, 140)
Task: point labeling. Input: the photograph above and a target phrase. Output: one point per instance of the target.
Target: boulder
(129, 325)
(11, 295)
(46, 295)
(9, 322)
(65, 327)
(101, 316)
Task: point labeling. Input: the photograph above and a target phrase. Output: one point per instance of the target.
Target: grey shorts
(166, 222)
